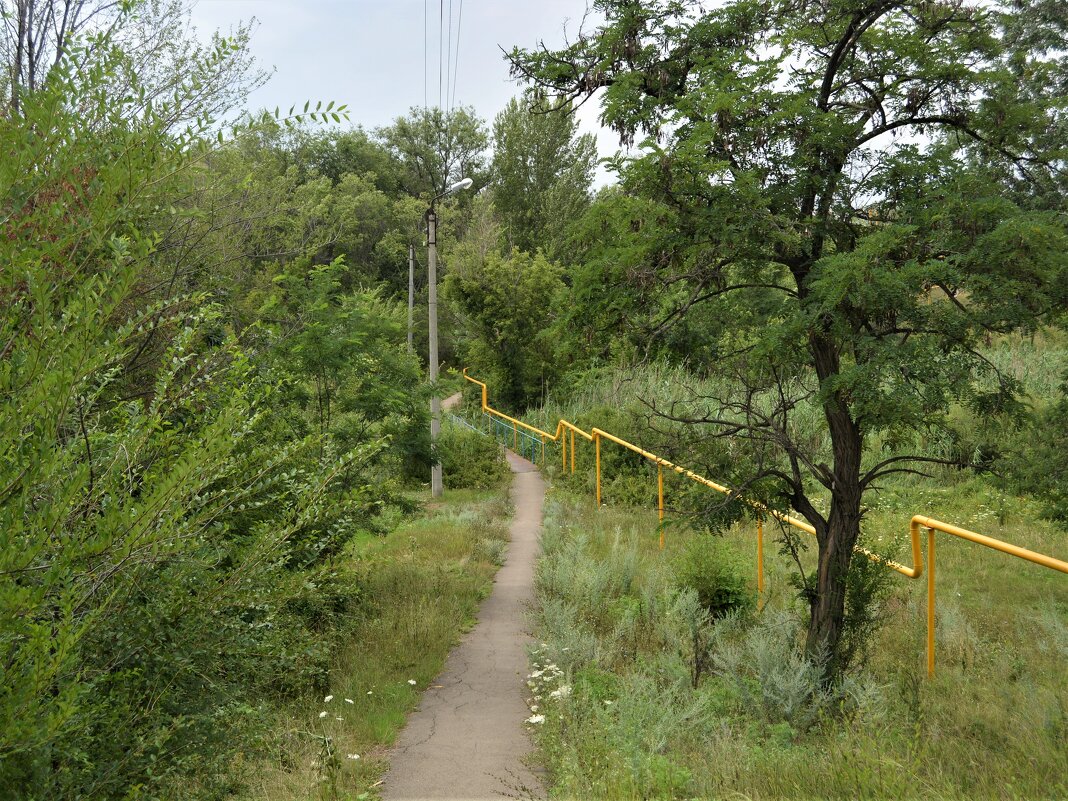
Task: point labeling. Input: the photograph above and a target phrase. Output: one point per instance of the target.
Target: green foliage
(832, 183)
(471, 460)
(542, 170)
(718, 575)
(187, 439)
(1038, 462)
(267, 203)
(335, 154)
(768, 670)
(635, 245)
(761, 721)
(508, 301)
(420, 590)
(438, 148)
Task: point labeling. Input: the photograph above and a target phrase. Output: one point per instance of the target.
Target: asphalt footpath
(467, 738)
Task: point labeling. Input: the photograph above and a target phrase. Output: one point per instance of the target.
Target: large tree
(542, 171)
(160, 60)
(438, 148)
(841, 164)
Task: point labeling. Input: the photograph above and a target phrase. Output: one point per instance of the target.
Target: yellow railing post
(760, 555)
(930, 603)
(572, 450)
(932, 526)
(660, 501)
(597, 458)
(563, 454)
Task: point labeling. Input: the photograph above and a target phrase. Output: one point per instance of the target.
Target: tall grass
(612, 616)
(1039, 362)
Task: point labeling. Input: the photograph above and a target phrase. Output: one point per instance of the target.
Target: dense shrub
(717, 573)
(175, 478)
(470, 460)
(765, 665)
(1037, 462)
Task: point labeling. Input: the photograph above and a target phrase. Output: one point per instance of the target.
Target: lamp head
(464, 183)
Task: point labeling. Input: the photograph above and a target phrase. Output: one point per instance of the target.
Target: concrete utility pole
(436, 486)
(411, 292)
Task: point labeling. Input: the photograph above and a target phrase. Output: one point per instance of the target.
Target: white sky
(369, 54)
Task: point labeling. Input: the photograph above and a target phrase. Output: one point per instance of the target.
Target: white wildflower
(411, 682)
(608, 703)
(322, 715)
(533, 707)
(339, 719)
(370, 693)
(349, 701)
(536, 719)
(328, 699)
(352, 756)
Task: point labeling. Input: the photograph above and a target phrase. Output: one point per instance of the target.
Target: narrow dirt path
(466, 740)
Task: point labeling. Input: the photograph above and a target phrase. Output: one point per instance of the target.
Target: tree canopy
(438, 148)
(542, 170)
(836, 164)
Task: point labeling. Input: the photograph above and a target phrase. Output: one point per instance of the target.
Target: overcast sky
(369, 54)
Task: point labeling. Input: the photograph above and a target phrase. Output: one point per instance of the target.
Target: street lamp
(432, 271)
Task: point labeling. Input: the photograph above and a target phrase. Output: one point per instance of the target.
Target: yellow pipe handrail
(595, 435)
(560, 426)
(911, 572)
(563, 427)
(932, 526)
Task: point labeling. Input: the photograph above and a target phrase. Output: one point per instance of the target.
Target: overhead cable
(456, 63)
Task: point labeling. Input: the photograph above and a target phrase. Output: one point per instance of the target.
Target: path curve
(466, 740)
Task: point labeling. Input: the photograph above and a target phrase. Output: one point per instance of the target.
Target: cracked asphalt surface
(467, 738)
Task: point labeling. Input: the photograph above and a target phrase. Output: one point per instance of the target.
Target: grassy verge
(421, 587)
(623, 641)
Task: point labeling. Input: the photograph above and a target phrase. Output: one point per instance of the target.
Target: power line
(426, 48)
(448, 63)
(441, 30)
(456, 64)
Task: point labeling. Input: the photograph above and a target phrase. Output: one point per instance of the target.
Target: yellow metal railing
(566, 430)
(932, 526)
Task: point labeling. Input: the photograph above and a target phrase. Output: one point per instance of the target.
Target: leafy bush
(1037, 463)
(717, 573)
(173, 484)
(470, 460)
(764, 663)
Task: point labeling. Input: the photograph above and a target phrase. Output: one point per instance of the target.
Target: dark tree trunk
(838, 538)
